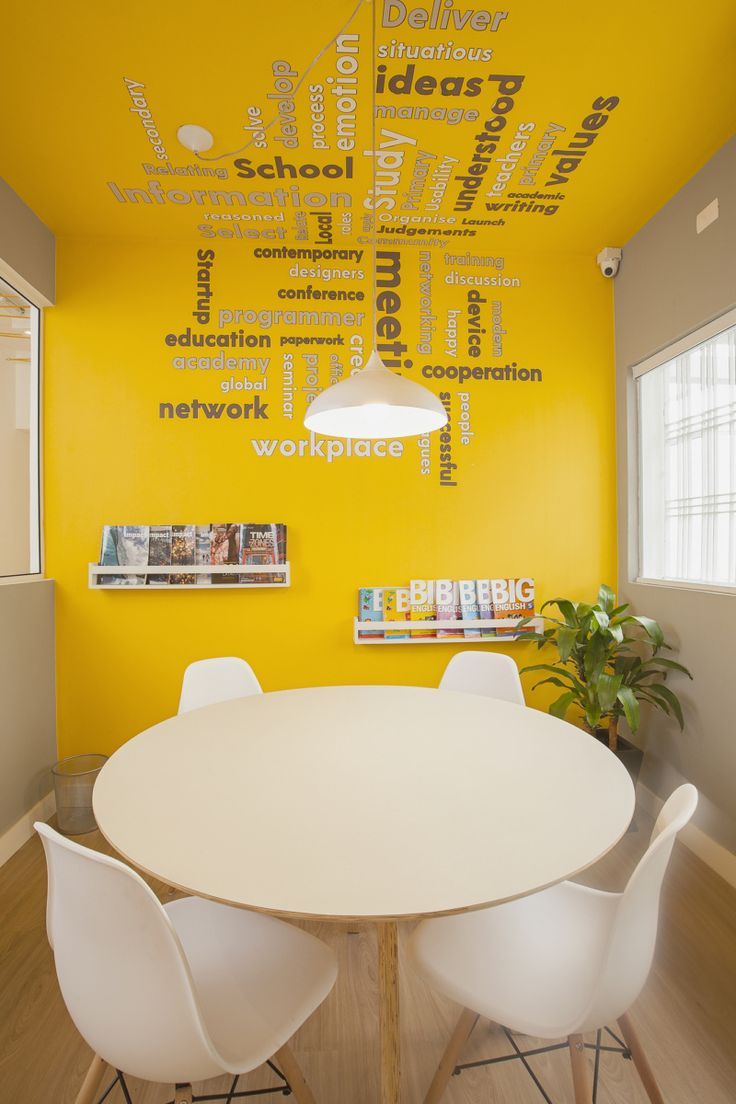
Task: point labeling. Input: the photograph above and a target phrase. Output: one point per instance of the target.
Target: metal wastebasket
(74, 780)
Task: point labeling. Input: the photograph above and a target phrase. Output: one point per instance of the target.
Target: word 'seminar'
(441, 15)
(279, 197)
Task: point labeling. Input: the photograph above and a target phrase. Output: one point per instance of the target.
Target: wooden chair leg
(88, 1092)
(458, 1039)
(581, 1078)
(640, 1059)
(183, 1094)
(287, 1063)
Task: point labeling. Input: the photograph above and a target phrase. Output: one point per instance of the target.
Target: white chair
(215, 680)
(556, 964)
(495, 676)
(179, 993)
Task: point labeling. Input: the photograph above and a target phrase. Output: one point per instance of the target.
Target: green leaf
(565, 642)
(616, 632)
(606, 598)
(652, 630)
(669, 663)
(608, 688)
(561, 672)
(631, 706)
(566, 608)
(601, 619)
(664, 694)
(560, 707)
(596, 656)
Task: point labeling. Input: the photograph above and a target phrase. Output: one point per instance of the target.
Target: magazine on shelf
(202, 552)
(370, 608)
(182, 553)
(159, 553)
(447, 598)
(225, 549)
(421, 607)
(512, 599)
(133, 550)
(261, 545)
(109, 557)
(469, 606)
(396, 608)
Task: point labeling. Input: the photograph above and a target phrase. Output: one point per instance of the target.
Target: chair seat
(530, 964)
(256, 978)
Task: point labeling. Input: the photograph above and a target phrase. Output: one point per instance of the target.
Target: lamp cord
(297, 86)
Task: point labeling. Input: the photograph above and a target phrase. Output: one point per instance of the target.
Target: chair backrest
(122, 972)
(634, 932)
(491, 674)
(214, 680)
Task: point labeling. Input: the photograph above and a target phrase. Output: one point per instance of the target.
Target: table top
(363, 802)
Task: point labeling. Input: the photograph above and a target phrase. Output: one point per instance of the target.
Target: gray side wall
(672, 280)
(27, 696)
(27, 247)
(27, 636)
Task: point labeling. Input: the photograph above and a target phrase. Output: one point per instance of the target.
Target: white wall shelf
(432, 626)
(258, 572)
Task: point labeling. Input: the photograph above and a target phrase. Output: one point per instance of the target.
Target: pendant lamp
(375, 402)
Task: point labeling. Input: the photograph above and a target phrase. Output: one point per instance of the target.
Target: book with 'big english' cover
(469, 606)
(421, 607)
(447, 597)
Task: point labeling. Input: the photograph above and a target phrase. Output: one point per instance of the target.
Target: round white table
(371, 803)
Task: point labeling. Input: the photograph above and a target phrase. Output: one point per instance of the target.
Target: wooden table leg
(388, 1011)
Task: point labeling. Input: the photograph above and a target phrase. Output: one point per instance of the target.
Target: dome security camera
(608, 261)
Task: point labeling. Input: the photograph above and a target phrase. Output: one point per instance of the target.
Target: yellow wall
(535, 497)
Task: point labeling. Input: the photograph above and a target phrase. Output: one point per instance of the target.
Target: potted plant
(608, 662)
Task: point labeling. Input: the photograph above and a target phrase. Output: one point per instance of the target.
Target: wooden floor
(686, 1016)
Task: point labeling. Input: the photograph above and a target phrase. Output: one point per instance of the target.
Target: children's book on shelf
(422, 607)
(512, 599)
(263, 545)
(202, 552)
(159, 553)
(182, 553)
(485, 606)
(370, 608)
(447, 597)
(396, 608)
(469, 606)
(225, 549)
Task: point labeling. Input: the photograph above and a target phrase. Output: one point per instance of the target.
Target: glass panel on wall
(19, 492)
(687, 453)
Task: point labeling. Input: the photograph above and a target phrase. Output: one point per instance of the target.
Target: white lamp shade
(375, 402)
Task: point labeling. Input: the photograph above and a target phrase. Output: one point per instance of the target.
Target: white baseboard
(712, 853)
(20, 832)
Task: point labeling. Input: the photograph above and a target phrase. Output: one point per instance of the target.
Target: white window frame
(683, 345)
(35, 504)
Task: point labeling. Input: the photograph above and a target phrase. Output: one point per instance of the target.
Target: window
(687, 459)
(20, 551)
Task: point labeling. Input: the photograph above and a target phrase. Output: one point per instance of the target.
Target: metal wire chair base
(228, 1097)
(523, 1055)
